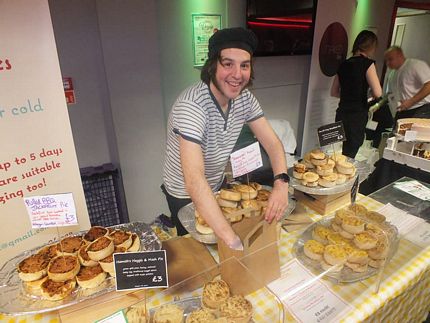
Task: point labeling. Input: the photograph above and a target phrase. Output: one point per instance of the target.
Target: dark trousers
(175, 204)
(420, 112)
(354, 124)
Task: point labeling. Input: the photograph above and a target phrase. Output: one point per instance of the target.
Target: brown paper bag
(260, 256)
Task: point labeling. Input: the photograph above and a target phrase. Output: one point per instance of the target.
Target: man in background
(408, 85)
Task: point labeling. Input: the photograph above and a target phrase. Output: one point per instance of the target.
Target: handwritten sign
(117, 317)
(331, 133)
(245, 160)
(139, 270)
(56, 210)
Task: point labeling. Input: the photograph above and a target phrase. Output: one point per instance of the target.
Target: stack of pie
(355, 238)
(54, 270)
(318, 169)
(236, 203)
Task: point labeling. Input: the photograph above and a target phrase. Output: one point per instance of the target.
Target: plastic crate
(104, 195)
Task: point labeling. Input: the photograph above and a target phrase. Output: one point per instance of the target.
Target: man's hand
(278, 201)
(405, 105)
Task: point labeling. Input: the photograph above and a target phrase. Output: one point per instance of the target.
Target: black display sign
(139, 270)
(354, 190)
(331, 133)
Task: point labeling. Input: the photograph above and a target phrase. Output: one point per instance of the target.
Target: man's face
(394, 59)
(232, 74)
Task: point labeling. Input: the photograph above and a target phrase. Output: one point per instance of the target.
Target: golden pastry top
(353, 221)
(365, 237)
(335, 251)
(336, 239)
(216, 290)
(236, 306)
(314, 246)
(322, 231)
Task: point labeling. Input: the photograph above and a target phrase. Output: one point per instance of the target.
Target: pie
(33, 267)
(225, 203)
(62, 268)
(84, 259)
(341, 214)
(69, 246)
(337, 239)
(335, 255)
(313, 249)
(375, 217)
(49, 251)
(215, 293)
(236, 309)
(90, 277)
(100, 248)
(358, 209)
(121, 238)
(55, 291)
(169, 313)
(230, 195)
(135, 244)
(107, 263)
(345, 167)
(136, 314)
(353, 224)
(94, 233)
(320, 234)
(298, 170)
(355, 255)
(201, 315)
(247, 192)
(365, 240)
(34, 287)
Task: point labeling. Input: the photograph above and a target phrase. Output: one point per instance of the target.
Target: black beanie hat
(232, 38)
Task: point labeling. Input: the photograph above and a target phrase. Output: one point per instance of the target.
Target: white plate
(15, 300)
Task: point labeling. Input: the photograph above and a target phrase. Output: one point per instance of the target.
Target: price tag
(117, 317)
(410, 135)
(245, 160)
(140, 270)
(56, 210)
(354, 190)
(331, 133)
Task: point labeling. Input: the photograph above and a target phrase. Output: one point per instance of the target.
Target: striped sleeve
(189, 121)
(255, 111)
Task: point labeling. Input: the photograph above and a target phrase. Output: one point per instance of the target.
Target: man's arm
(421, 94)
(201, 193)
(278, 201)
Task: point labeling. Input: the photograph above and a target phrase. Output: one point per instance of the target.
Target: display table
(402, 297)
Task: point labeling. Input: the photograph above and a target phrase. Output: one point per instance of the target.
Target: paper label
(117, 317)
(306, 297)
(414, 188)
(410, 135)
(372, 125)
(56, 210)
(245, 160)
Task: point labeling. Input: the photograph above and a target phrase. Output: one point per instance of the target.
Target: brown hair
(364, 41)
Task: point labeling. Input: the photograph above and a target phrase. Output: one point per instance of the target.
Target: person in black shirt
(351, 84)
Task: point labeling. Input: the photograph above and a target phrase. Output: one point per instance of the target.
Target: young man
(408, 85)
(203, 127)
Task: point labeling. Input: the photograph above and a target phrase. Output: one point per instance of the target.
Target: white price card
(245, 160)
(414, 188)
(306, 297)
(410, 135)
(117, 317)
(55, 210)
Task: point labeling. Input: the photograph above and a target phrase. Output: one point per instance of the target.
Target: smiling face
(232, 75)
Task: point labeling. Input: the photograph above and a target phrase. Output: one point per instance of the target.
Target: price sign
(354, 190)
(117, 317)
(245, 160)
(331, 133)
(56, 210)
(139, 270)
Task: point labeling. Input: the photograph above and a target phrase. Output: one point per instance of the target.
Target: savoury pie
(215, 293)
(107, 263)
(353, 224)
(313, 249)
(335, 255)
(365, 240)
(84, 259)
(247, 192)
(320, 234)
(169, 313)
(201, 315)
(94, 233)
(135, 244)
(69, 246)
(121, 239)
(136, 314)
(90, 277)
(55, 291)
(100, 248)
(230, 195)
(33, 267)
(62, 268)
(236, 309)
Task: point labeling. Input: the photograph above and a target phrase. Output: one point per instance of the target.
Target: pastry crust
(335, 255)
(310, 179)
(341, 178)
(358, 209)
(215, 293)
(84, 259)
(135, 245)
(62, 268)
(169, 313)
(253, 204)
(375, 217)
(230, 195)
(256, 186)
(298, 170)
(332, 268)
(328, 181)
(358, 268)
(49, 251)
(313, 249)
(237, 309)
(94, 233)
(317, 154)
(320, 234)
(231, 214)
(325, 170)
(121, 238)
(337, 239)
(100, 248)
(69, 246)
(356, 255)
(365, 240)
(136, 314)
(90, 277)
(202, 315)
(33, 268)
(353, 224)
(204, 228)
(34, 287)
(379, 252)
(341, 214)
(246, 191)
(226, 203)
(107, 263)
(345, 167)
(55, 291)
(339, 158)
(376, 263)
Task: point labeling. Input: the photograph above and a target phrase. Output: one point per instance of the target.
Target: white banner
(37, 152)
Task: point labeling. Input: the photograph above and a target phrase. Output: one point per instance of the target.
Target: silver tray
(14, 300)
(363, 170)
(188, 220)
(346, 275)
(188, 305)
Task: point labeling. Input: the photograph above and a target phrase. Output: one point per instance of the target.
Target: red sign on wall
(67, 83)
(68, 90)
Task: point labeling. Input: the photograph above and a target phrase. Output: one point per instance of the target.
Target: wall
(416, 26)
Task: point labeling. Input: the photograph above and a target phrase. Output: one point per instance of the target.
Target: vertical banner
(37, 151)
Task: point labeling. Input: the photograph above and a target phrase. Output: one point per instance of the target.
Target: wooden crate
(324, 204)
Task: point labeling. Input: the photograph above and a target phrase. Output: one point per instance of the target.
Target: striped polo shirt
(197, 116)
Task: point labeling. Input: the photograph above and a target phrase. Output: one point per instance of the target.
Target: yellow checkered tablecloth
(403, 295)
